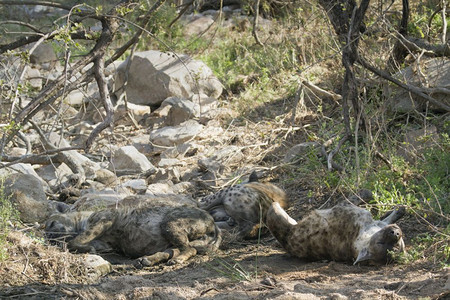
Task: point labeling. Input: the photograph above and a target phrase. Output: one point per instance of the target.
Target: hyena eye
(51, 225)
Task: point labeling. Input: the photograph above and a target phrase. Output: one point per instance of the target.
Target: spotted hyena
(243, 206)
(344, 232)
(154, 233)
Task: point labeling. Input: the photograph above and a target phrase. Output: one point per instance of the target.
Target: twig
(333, 152)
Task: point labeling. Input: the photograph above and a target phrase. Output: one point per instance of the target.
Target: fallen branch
(420, 45)
(412, 89)
(321, 92)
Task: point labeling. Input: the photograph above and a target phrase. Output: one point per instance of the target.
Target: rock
(45, 56)
(88, 166)
(155, 76)
(96, 266)
(95, 200)
(183, 188)
(205, 103)
(141, 143)
(159, 188)
(122, 114)
(59, 207)
(165, 174)
(299, 150)
(128, 160)
(24, 169)
(138, 186)
(169, 162)
(433, 74)
(416, 142)
(16, 151)
(198, 26)
(182, 150)
(105, 176)
(33, 77)
(75, 98)
(54, 172)
(27, 193)
(175, 135)
(138, 200)
(180, 110)
(216, 162)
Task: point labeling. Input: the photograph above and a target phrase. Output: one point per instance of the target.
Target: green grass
(8, 214)
(232, 269)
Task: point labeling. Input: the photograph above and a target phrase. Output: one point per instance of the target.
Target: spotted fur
(342, 233)
(243, 207)
(153, 233)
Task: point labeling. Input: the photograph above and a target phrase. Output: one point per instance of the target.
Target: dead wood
(410, 88)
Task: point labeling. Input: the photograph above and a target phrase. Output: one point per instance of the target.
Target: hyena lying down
(342, 233)
(243, 205)
(156, 232)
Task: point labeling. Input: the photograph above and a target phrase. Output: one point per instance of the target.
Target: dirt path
(232, 274)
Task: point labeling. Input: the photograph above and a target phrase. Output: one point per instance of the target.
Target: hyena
(243, 206)
(344, 232)
(154, 233)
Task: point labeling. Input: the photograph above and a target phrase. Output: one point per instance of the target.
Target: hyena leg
(81, 242)
(158, 257)
(175, 232)
(394, 216)
(246, 229)
(256, 231)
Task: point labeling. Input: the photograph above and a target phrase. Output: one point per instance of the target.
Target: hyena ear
(253, 177)
(363, 256)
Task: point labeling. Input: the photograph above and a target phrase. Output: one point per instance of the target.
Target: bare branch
(99, 66)
(80, 35)
(255, 23)
(21, 24)
(44, 3)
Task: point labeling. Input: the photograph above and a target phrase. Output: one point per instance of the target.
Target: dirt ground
(242, 271)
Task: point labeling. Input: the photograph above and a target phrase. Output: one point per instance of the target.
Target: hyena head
(382, 245)
(65, 226)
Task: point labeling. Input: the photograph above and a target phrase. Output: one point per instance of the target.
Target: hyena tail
(217, 240)
(269, 193)
(279, 223)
